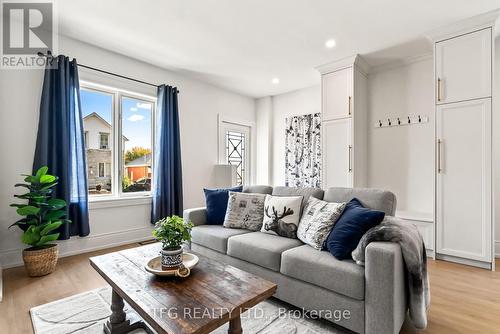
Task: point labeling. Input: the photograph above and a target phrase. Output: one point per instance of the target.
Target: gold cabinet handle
(439, 169)
(349, 105)
(439, 90)
(350, 155)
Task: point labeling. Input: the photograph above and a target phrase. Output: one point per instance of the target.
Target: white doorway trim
(223, 121)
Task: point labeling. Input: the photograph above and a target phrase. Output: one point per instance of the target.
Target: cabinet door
(337, 153)
(464, 180)
(463, 67)
(337, 94)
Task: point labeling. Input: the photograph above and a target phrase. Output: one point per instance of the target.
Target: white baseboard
(13, 257)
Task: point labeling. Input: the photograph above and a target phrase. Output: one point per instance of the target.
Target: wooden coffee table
(212, 295)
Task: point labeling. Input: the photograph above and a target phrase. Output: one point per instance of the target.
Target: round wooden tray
(188, 261)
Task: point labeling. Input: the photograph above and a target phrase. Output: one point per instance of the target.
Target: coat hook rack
(411, 120)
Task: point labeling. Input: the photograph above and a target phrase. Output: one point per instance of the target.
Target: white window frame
(117, 164)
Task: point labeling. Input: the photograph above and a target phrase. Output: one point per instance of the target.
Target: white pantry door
(463, 67)
(337, 153)
(337, 94)
(464, 179)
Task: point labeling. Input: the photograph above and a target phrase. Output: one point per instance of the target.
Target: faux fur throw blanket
(413, 250)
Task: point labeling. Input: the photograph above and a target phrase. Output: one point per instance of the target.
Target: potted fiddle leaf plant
(172, 232)
(41, 216)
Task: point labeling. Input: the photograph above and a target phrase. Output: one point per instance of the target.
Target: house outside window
(117, 168)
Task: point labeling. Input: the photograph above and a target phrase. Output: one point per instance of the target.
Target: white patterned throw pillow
(244, 210)
(317, 221)
(281, 215)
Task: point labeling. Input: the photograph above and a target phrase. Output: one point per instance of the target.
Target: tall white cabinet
(463, 177)
(344, 122)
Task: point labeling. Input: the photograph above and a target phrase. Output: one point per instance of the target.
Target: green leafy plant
(42, 214)
(172, 231)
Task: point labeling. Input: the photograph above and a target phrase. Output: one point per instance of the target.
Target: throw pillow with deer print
(281, 215)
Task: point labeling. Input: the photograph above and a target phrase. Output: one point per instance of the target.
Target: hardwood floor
(463, 299)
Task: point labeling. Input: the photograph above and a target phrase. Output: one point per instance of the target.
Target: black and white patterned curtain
(303, 151)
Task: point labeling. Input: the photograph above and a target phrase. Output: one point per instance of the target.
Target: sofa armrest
(197, 216)
(385, 288)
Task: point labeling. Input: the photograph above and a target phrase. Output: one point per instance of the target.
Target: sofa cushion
(245, 211)
(376, 199)
(282, 215)
(216, 203)
(355, 221)
(258, 189)
(322, 269)
(214, 236)
(305, 192)
(317, 221)
(259, 248)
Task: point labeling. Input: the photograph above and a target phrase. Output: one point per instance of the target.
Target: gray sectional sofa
(373, 295)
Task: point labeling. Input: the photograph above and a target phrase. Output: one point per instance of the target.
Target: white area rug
(86, 313)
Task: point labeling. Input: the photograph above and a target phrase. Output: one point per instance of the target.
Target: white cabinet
(463, 67)
(463, 188)
(463, 178)
(344, 123)
(337, 153)
(337, 94)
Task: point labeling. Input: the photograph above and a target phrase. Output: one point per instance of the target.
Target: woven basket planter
(40, 262)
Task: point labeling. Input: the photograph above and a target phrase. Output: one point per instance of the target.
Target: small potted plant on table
(41, 216)
(172, 232)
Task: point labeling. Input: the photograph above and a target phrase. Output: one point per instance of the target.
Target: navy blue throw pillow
(216, 202)
(355, 221)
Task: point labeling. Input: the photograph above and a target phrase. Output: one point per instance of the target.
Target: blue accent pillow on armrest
(355, 221)
(216, 202)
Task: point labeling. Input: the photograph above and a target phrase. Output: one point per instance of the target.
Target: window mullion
(117, 133)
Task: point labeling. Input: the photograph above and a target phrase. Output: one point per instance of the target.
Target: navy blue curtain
(167, 170)
(60, 141)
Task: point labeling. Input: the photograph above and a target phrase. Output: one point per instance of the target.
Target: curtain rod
(50, 56)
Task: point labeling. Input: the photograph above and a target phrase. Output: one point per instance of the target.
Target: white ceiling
(242, 44)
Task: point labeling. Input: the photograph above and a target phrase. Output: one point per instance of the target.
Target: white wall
(496, 146)
(199, 104)
(401, 158)
(264, 159)
(301, 102)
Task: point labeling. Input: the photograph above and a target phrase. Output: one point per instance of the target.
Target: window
(118, 130)
(101, 169)
(104, 141)
(137, 144)
(234, 149)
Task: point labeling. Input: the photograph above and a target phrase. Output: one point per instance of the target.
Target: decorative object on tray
(42, 215)
(317, 221)
(245, 210)
(189, 260)
(281, 215)
(303, 151)
(172, 232)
